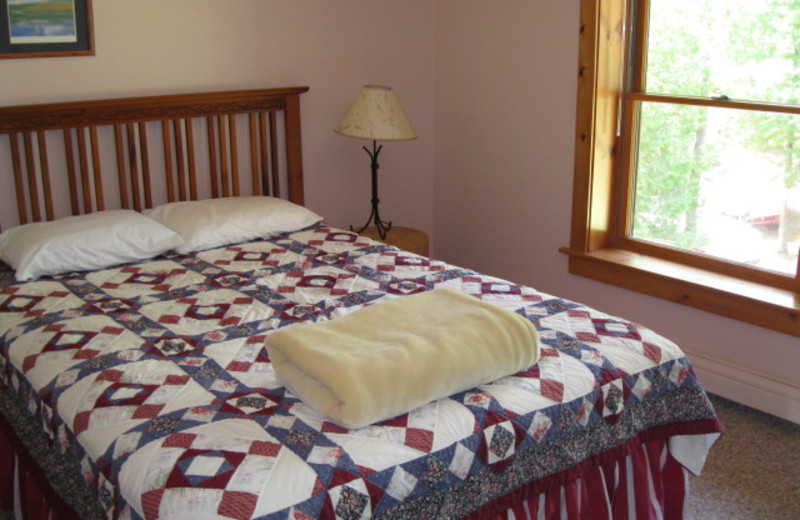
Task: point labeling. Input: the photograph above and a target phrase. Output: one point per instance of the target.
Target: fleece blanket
(391, 357)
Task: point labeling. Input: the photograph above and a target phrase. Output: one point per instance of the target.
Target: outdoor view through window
(721, 179)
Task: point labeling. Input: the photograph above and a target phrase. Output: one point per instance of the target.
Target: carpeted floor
(753, 470)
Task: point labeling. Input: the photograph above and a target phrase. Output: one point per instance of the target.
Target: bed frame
(185, 147)
(133, 153)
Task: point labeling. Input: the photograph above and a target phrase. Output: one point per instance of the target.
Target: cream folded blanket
(391, 357)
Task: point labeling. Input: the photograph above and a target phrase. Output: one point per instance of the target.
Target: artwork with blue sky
(47, 21)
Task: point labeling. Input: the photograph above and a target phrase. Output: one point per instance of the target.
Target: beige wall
(505, 112)
(156, 46)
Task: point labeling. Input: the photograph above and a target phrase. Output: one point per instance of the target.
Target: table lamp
(376, 114)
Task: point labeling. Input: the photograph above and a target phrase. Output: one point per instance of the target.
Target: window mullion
(797, 272)
(627, 171)
(637, 68)
(716, 102)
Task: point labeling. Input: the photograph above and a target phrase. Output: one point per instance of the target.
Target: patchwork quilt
(152, 383)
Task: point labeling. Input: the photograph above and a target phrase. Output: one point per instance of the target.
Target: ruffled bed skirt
(646, 483)
(23, 487)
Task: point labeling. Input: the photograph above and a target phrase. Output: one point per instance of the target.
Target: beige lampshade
(376, 114)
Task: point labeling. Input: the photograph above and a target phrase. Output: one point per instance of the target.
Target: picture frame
(45, 28)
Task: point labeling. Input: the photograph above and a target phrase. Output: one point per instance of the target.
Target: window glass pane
(721, 182)
(742, 49)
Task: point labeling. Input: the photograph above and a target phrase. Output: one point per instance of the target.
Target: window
(687, 171)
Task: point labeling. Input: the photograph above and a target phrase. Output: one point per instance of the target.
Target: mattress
(151, 385)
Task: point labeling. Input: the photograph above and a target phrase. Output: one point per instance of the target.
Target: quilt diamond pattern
(156, 377)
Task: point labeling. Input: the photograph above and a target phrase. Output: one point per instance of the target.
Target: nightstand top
(410, 239)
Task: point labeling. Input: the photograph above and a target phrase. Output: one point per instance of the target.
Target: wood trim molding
(757, 304)
(595, 252)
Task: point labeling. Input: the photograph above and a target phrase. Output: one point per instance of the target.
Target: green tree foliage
(742, 49)
(672, 152)
(774, 39)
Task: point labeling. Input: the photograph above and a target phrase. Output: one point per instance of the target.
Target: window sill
(765, 306)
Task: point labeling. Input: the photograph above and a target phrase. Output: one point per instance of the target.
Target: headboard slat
(212, 158)
(233, 172)
(122, 177)
(294, 150)
(33, 184)
(96, 169)
(166, 143)
(264, 154)
(224, 179)
(83, 169)
(72, 178)
(191, 172)
(274, 166)
(180, 162)
(19, 183)
(44, 168)
(107, 143)
(133, 166)
(252, 121)
(144, 152)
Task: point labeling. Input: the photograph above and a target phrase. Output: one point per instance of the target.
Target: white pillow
(205, 224)
(84, 242)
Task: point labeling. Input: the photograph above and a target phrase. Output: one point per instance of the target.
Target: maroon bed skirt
(644, 483)
(31, 496)
(647, 484)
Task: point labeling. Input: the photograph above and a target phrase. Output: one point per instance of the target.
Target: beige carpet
(753, 470)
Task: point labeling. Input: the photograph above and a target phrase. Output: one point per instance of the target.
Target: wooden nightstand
(412, 240)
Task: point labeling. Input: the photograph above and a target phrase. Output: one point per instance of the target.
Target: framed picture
(38, 28)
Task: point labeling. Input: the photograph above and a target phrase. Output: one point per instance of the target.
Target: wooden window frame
(597, 250)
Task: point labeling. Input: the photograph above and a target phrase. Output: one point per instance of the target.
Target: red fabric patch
(81, 422)
(179, 440)
(329, 427)
(552, 390)
(237, 504)
(109, 375)
(238, 366)
(421, 440)
(151, 503)
(341, 476)
(587, 336)
(267, 449)
(652, 352)
(174, 379)
(147, 411)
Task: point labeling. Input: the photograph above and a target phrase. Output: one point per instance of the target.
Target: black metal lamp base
(374, 216)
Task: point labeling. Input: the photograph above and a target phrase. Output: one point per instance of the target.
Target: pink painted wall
(505, 113)
(156, 47)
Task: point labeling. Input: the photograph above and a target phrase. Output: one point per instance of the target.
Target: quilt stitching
(208, 344)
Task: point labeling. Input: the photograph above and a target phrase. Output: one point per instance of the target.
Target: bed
(145, 389)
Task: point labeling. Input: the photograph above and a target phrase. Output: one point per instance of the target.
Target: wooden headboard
(133, 153)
